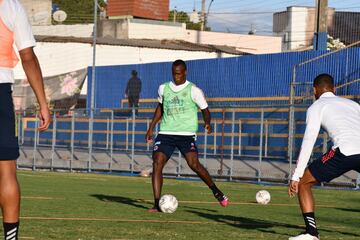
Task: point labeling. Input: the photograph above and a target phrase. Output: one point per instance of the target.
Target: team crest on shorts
(156, 147)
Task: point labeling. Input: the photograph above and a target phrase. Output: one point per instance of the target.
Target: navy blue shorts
(167, 144)
(333, 164)
(9, 148)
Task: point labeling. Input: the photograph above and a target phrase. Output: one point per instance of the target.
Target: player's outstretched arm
(157, 116)
(207, 119)
(33, 73)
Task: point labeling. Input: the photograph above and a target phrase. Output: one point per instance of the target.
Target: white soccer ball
(168, 203)
(263, 197)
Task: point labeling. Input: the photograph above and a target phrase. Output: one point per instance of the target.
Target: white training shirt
(197, 96)
(15, 18)
(340, 117)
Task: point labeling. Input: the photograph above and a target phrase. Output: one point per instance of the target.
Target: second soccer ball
(263, 197)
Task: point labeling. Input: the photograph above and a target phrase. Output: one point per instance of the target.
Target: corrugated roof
(146, 43)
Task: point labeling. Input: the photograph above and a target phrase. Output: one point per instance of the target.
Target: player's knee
(158, 163)
(307, 180)
(305, 184)
(194, 165)
(302, 185)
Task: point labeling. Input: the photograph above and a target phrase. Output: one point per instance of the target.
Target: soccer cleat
(223, 200)
(304, 236)
(153, 210)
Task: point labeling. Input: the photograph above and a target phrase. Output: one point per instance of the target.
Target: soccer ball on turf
(168, 203)
(263, 197)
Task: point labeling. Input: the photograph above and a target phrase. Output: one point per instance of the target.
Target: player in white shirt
(340, 117)
(15, 28)
(179, 102)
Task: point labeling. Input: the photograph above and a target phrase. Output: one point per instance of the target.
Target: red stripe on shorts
(328, 156)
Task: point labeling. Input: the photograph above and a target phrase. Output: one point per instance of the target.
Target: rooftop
(145, 43)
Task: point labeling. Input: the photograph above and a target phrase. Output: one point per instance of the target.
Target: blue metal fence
(247, 76)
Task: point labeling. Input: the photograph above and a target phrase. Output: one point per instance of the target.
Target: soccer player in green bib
(179, 102)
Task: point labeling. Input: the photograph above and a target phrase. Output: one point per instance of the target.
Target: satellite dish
(194, 17)
(59, 16)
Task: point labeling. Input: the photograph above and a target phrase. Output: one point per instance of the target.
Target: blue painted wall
(246, 76)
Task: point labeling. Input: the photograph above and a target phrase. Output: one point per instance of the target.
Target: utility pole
(175, 12)
(202, 15)
(207, 14)
(93, 80)
(320, 35)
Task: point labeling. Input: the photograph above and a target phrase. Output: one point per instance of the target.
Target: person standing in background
(133, 90)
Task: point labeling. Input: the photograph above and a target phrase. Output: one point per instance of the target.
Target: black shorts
(333, 164)
(9, 148)
(167, 143)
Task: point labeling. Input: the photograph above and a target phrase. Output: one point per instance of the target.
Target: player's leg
(159, 161)
(136, 104)
(305, 196)
(331, 165)
(162, 151)
(9, 198)
(306, 201)
(130, 101)
(195, 165)
(188, 148)
(9, 151)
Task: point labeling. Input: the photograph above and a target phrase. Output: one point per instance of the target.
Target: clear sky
(239, 15)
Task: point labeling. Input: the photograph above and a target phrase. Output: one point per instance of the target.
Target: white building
(296, 26)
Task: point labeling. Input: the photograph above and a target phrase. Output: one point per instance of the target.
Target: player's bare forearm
(207, 119)
(157, 116)
(33, 73)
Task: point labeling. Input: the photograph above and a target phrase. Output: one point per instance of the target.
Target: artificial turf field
(98, 206)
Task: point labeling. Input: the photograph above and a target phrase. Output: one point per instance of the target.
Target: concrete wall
(345, 26)
(141, 29)
(75, 30)
(114, 28)
(281, 28)
(247, 43)
(302, 26)
(39, 11)
(280, 21)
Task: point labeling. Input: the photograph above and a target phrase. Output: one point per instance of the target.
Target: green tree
(79, 11)
(183, 17)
